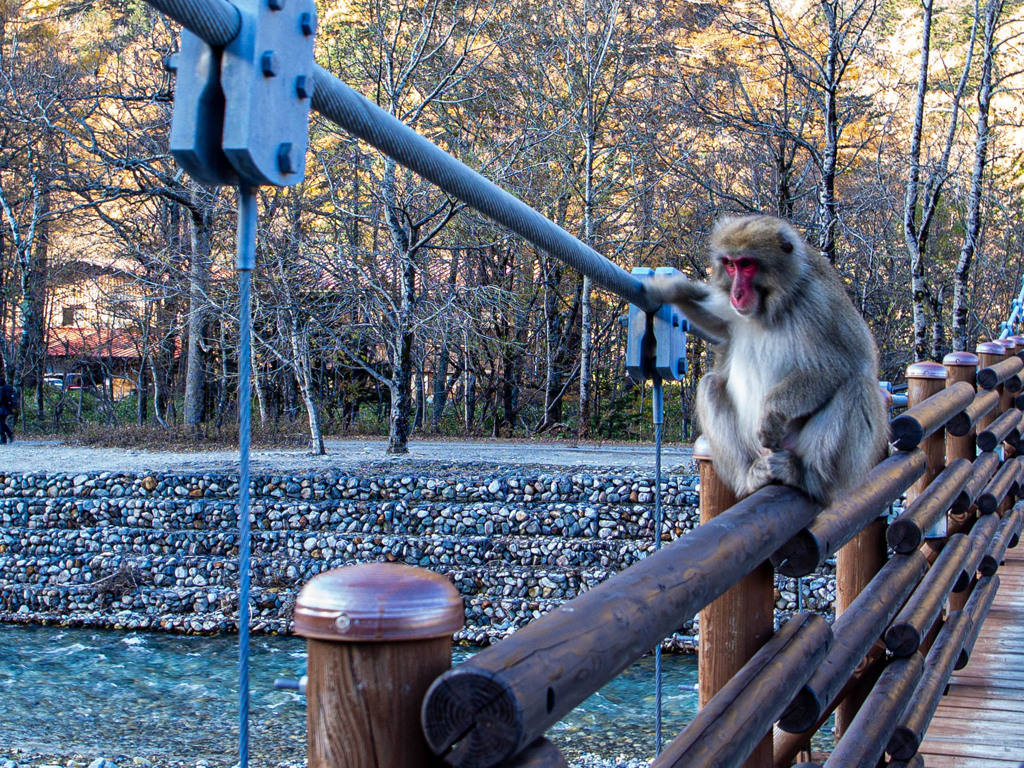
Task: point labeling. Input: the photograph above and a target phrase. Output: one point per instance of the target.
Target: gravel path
(51, 456)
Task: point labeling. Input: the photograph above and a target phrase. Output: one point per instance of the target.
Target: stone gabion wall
(159, 551)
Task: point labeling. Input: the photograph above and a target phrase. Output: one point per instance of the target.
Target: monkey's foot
(773, 467)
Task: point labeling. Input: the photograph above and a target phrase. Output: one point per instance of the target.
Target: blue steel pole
(658, 404)
(247, 220)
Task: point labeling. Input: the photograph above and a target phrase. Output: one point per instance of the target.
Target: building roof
(111, 343)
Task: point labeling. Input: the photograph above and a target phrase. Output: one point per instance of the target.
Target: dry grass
(179, 438)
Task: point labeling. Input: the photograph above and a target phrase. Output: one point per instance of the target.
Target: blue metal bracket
(267, 73)
(198, 119)
(656, 342)
(241, 113)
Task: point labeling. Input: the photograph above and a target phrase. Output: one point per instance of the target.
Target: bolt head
(269, 64)
(307, 23)
(302, 87)
(275, 5)
(285, 162)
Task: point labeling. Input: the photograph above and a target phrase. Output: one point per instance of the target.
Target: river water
(172, 699)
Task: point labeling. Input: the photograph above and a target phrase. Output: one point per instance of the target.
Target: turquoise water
(173, 699)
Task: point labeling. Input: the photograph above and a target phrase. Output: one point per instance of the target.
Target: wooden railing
(904, 620)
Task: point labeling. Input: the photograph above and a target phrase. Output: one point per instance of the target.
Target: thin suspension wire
(246, 261)
(657, 402)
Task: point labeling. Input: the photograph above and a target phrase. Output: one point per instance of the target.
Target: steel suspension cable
(218, 22)
(246, 261)
(658, 405)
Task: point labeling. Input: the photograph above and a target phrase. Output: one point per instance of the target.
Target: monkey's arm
(702, 305)
(790, 403)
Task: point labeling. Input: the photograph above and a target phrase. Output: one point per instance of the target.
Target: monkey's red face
(743, 294)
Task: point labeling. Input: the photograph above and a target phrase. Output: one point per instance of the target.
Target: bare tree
(922, 196)
(974, 220)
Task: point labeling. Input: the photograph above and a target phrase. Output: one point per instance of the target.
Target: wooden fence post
(990, 353)
(960, 366)
(377, 635)
(999, 349)
(856, 565)
(735, 626)
(925, 379)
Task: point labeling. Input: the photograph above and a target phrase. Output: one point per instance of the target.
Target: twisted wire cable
(658, 398)
(246, 258)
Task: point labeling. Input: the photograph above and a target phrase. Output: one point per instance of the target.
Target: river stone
(147, 556)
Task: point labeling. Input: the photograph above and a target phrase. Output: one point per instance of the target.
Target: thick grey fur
(793, 396)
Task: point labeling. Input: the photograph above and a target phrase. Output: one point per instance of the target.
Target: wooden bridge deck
(980, 722)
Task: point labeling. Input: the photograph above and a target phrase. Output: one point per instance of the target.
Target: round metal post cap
(990, 348)
(701, 449)
(1009, 345)
(926, 369)
(960, 358)
(378, 602)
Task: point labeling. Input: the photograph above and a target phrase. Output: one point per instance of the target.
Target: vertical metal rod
(247, 221)
(658, 405)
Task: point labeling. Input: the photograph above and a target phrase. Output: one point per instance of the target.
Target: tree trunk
(259, 384)
(586, 313)
(420, 401)
(827, 205)
(911, 227)
(304, 379)
(142, 390)
(468, 389)
(198, 313)
(938, 327)
(224, 397)
(439, 388)
(34, 282)
(973, 226)
(401, 386)
(552, 373)
(586, 342)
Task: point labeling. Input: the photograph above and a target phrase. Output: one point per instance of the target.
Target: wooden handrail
(490, 707)
(1004, 428)
(915, 424)
(994, 375)
(842, 520)
(981, 472)
(856, 631)
(736, 719)
(977, 608)
(982, 404)
(907, 631)
(981, 536)
(494, 708)
(998, 487)
(906, 738)
(906, 532)
(866, 738)
(1008, 528)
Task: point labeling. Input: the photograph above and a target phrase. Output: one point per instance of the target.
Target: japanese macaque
(793, 396)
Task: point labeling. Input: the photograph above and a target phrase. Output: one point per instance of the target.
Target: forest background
(888, 131)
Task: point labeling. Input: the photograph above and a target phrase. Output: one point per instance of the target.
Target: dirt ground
(50, 456)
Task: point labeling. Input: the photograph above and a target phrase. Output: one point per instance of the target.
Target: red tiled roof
(117, 343)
